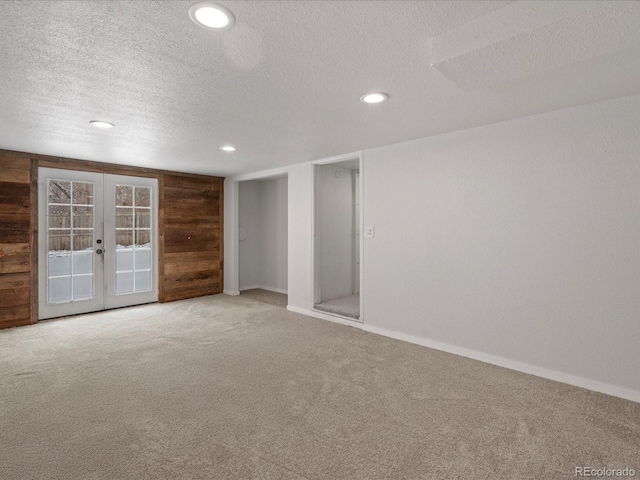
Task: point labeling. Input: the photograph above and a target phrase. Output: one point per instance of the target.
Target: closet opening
(337, 238)
(263, 239)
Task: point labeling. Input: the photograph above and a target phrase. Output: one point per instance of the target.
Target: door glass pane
(82, 241)
(59, 191)
(82, 217)
(124, 282)
(143, 259)
(82, 262)
(59, 240)
(124, 259)
(124, 217)
(143, 218)
(60, 289)
(82, 287)
(143, 197)
(124, 239)
(133, 239)
(82, 193)
(70, 241)
(143, 281)
(124, 196)
(125, 233)
(143, 238)
(59, 216)
(59, 262)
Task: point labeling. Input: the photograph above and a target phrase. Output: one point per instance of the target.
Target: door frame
(66, 308)
(103, 267)
(315, 239)
(231, 215)
(111, 299)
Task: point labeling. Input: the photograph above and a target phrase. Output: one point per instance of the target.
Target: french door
(97, 241)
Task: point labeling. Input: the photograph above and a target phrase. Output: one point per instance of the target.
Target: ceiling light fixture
(211, 15)
(374, 97)
(228, 148)
(101, 124)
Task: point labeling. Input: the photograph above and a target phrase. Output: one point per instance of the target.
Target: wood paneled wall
(191, 222)
(15, 240)
(190, 232)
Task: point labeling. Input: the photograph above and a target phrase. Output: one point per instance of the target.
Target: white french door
(97, 241)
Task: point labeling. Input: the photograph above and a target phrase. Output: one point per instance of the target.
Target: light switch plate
(368, 232)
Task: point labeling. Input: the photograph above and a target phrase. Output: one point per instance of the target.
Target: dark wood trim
(33, 205)
(101, 167)
(221, 236)
(161, 239)
(96, 167)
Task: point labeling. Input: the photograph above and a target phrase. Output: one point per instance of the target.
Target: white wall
(355, 185)
(300, 218)
(335, 214)
(263, 216)
(519, 240)
(516, 243)
(231, 201)
(250, 249)
(274, 205)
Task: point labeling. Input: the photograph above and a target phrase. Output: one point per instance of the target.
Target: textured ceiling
(283, 85)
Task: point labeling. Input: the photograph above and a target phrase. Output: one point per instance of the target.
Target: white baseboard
(325, 316)
(511, 364)
(233, 293)
(593, 385)
(262, 287)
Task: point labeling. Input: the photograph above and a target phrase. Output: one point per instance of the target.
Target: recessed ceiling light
(374, 97)
(211, 15)
(101, 124)
(228, 148)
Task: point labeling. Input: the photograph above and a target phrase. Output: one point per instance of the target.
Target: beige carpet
(229, 388)
(266, 296)
(348, 306)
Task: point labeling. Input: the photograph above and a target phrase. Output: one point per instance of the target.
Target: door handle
(99, 251)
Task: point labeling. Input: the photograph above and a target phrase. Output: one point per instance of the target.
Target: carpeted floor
(230, 388)
(266, 296)
(348, 306)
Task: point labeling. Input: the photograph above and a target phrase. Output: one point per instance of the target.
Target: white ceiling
(283, 85)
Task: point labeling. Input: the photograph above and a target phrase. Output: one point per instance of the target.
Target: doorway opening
(97, 241)
(263, 239)
(337, 238)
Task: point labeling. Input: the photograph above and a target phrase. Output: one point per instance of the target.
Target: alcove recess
(190, 231)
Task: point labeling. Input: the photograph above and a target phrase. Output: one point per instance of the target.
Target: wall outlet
(368, 232)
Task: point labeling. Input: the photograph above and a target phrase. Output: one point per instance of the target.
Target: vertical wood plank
(192, 218)
(15, 240)
(221, 236)
(33, 205)
(193, 237)
(161, 224)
